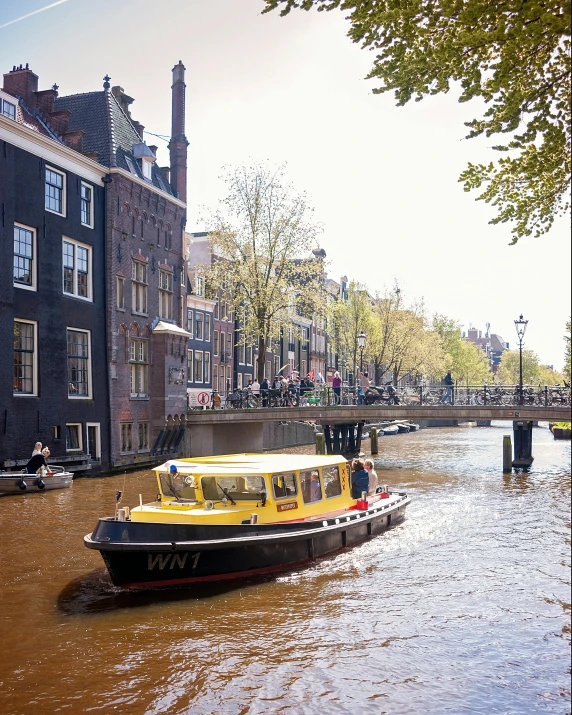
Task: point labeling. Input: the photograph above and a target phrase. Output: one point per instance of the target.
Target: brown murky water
(462, 608)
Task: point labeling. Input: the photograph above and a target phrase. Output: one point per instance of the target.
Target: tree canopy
(513, 55)
(263, 237)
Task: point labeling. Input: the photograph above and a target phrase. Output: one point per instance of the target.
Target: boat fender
(209, 505)
(41, 484)
(23, 486)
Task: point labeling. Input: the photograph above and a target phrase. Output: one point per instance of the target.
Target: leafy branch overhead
(514, 55)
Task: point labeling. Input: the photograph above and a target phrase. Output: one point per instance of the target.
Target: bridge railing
(437, 395)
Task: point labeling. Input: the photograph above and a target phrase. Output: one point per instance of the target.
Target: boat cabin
(247, 488)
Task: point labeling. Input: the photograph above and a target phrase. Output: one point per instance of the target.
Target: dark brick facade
(24, 418)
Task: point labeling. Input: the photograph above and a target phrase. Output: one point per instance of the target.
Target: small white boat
(22, 483)
(390, 429)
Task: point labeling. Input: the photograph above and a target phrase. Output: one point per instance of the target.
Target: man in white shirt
(255, 387)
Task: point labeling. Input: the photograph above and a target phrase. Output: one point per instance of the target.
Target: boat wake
(94, 593)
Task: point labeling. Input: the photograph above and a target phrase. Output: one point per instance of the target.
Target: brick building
(53, 376)
(133, 317)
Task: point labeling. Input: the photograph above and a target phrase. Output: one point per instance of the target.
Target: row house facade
(122, 267)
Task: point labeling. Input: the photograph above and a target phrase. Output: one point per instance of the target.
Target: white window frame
(12, 102)
(33, 284)
(199, 320)
(89, 250)
(79, 434)
(139, 286)
(165, 294)
(121, 426)
(84, 184)
(63, 189)
(34, 392)
(190, 365)
(191, 322)
(207, 376)
(208, 327)
(195, 363)
(120, 292)
(97, 426)
(89, 394)
(216, 342)
(139, 358)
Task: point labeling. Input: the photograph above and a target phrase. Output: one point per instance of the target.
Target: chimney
(74, 139)
(45, 100)
(166, 173)
(153, 148)
(124, 99)
(178, 144)
(23, 83)
(59, 120)
(138, 127)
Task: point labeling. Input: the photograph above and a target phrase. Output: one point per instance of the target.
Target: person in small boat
(360, 479)
(368, 466)
(37, 449)
(36, 463)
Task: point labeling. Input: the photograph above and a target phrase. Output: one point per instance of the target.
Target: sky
(382, 179)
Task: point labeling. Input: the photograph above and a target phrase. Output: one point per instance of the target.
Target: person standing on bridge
(448, 382)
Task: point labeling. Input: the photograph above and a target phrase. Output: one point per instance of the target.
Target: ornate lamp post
(520, 326)
(361, 341)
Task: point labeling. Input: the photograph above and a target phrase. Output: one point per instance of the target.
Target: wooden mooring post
(320, 443)
(374, 436)
(506, 453)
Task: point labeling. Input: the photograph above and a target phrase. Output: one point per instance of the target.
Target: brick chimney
(23, 83)
(124, 99)
(178, 144)
(45, 100)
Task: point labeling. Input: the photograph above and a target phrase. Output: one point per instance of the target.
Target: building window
(8, 109)
(190, 324)
(199, 325)
(198, 365)
(143, 434)
(239, 381)
(241, 354)
(229, 378)
(165, 295)
(131, 165)
(229, 344)
(139, 361)
(249, 356)
(215, 342)
(86, 205)
(55, 191)
(139, 287)
(73, 437)
(24, 257)
(79, 371)
(126, 437)
(215, 377)
(121, 292)
(190, 374)
(207, 367)
(199, 286)
(216, 310)
(77, 269)
(207, 326)
(147, 169)
(24, 358)
(183, 277)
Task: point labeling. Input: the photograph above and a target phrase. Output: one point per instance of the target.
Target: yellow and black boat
(240, 515)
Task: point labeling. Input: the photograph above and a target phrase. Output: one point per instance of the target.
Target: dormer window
(146, 159)
(8, 107)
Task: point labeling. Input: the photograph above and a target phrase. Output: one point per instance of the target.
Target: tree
(263, 237)
(567, 353)
(509, 368)
(466, 360)
(352, 317)
(513, 55)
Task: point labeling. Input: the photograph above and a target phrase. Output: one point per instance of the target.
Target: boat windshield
(177, 485)
(234, 488)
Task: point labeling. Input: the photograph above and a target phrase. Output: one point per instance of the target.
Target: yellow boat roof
(251, 463)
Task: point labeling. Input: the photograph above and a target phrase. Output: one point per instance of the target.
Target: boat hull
(155, 555)
(10, 482)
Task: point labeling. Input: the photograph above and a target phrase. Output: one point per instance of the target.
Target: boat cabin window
(332, 483)
(284, 486)
(237, 488)
(177, 485)
(310, 485)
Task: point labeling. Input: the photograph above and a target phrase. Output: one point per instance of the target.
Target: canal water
(462, 608)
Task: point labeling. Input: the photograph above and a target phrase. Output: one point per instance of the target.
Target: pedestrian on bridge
(448, 395)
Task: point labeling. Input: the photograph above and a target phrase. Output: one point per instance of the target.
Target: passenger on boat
(36, 463)
(360, 479)
(315, 488)
(368, 465)
(37, 449)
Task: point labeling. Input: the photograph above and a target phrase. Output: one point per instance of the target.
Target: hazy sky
(382, 179)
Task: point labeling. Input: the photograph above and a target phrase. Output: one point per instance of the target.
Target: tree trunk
(261, 357)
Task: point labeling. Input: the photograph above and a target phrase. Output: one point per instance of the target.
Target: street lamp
(520, 326)
(361, 341)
